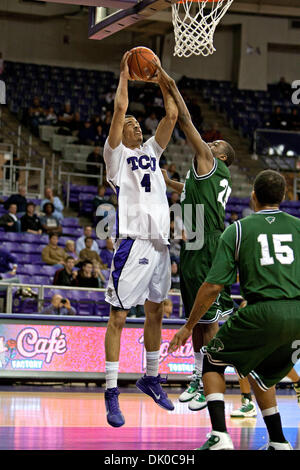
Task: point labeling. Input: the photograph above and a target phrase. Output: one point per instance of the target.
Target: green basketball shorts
(194, 267)
(260, 340)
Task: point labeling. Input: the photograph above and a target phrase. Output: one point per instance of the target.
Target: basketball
(140, 63)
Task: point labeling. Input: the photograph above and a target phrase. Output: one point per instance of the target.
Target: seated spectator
(174, 198)
(86, 277)
(212, 134)
(35, 115)
(167, 308)
(18, 199)
(49, 222)
(10, 221)
(50, 117)
(100, 136)
(65, 119)
(100, 198)
(86, 133)
(53, 254)
(88, 254)
(163, 163)
(151, 124)
(30, 222)
(279, 120)
(76, 124)
(59, 306)
(80, 242)
(234, 216)
(107, 121)
(8, 262)
(175, 278)
(284, 88)
(173, 174)
(107, 253)
(95, 157)
(58, 205)
(97, 270)
(70, 250)
(66, 276)
(295, 119)
(136, 312)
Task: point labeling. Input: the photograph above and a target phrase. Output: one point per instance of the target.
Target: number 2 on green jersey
(223, 195)
(283, 253)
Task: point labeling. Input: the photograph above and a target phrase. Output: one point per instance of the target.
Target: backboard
(114, 15)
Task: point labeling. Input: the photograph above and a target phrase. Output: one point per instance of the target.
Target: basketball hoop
(194, 24)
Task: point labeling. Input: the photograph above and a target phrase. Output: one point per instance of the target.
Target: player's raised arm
(207, 294)
(120, 105)
(176, 185)
(203, 153)
(166, 126)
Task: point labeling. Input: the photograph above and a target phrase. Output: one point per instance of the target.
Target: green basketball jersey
(264, 247)
(212, 192)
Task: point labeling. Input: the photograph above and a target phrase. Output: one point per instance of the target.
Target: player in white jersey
(140, 272)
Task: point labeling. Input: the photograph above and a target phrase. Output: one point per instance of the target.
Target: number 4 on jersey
(146, 183)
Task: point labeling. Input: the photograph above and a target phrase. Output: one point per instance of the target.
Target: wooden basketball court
(40, 418)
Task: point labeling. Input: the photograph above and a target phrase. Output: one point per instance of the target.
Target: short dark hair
(269, 187)
(30, 204)
(69, 257)
(49, 204)
(53, 234)
(230, 154)
(88, 238)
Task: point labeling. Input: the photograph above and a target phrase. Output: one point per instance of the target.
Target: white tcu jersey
(135, 175)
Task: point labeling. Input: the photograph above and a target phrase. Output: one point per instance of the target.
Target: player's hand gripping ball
(140, 64)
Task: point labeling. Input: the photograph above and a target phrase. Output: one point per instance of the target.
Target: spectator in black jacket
(10, 221)
(95, 157)
(30, 222)
(18, 199)
(66, 276)
(86, 276)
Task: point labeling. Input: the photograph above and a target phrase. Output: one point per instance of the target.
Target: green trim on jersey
(210, 192)
(264, 247)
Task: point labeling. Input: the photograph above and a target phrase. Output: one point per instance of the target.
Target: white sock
(111, 374)
(198, 362)
(215, 397)
(152, 363)
(270, 411)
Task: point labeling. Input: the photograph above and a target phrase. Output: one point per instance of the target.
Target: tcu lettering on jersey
(144, 162)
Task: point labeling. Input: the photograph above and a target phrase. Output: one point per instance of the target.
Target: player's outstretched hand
(124, 65)
(163, 77)
(179, 339)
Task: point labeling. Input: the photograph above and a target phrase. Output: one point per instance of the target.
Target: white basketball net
(194, 28)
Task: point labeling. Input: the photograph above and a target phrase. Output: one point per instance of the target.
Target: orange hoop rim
(196, 1)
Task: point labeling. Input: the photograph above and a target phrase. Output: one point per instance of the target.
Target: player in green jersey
(260, 340)
(203, 200)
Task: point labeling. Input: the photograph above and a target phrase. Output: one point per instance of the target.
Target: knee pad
(209, 367)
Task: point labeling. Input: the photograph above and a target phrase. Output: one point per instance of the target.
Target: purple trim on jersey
(117, 214)
(120, 259)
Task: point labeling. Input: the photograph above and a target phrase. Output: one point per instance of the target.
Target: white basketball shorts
(140, 271)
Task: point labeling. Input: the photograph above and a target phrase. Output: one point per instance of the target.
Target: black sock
(216, 410)
(247, 395)
(273, 423)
